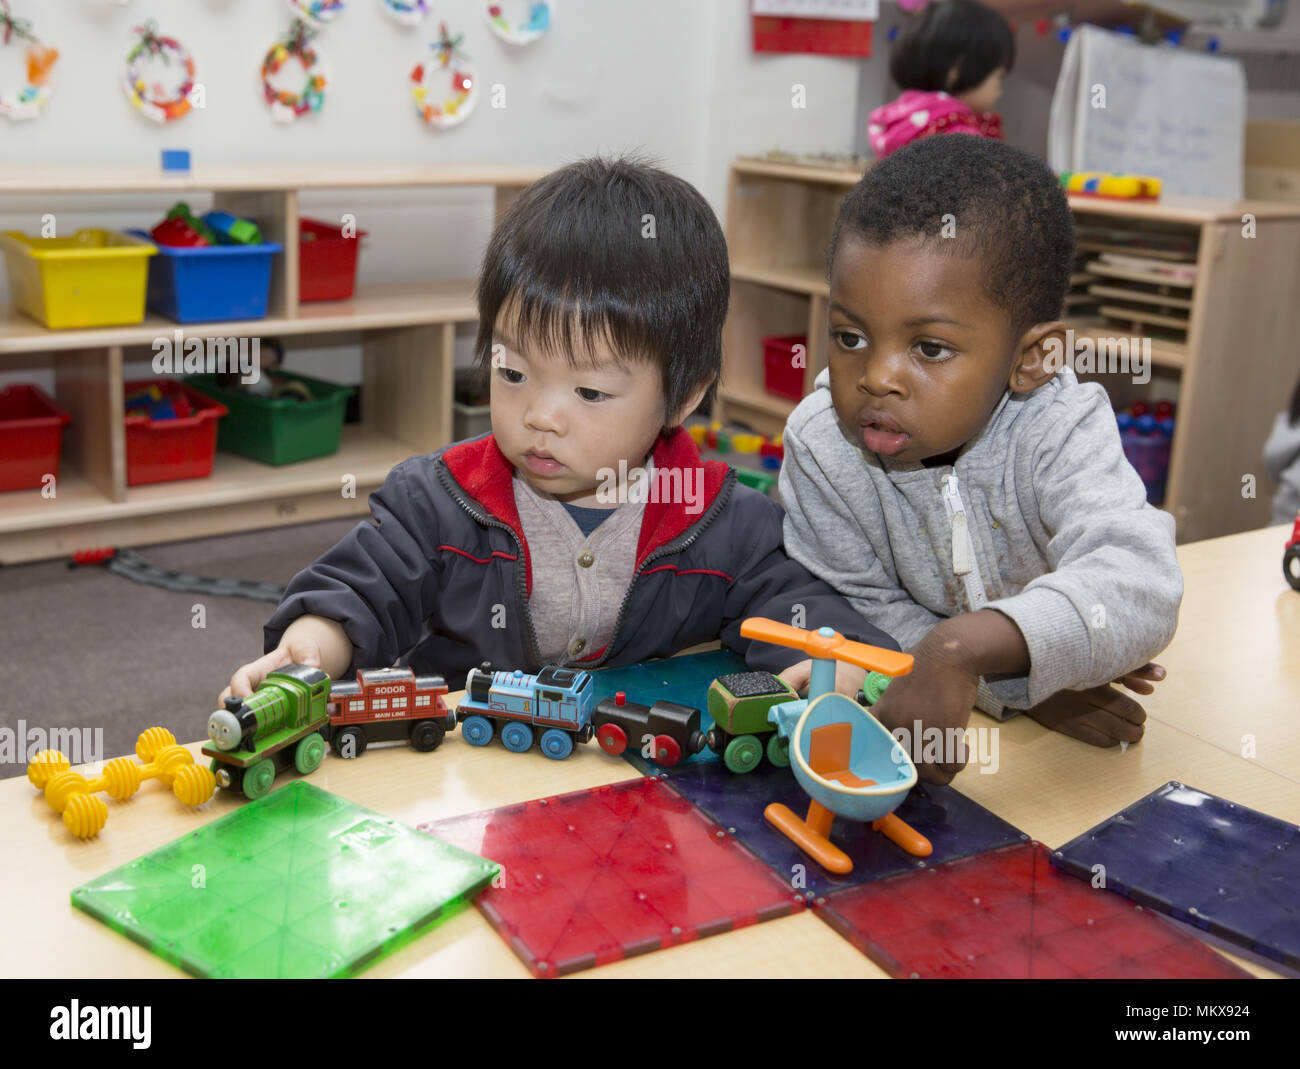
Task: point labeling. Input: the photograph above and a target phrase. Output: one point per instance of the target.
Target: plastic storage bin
(780, 376)
(31, 432)
(471, 415)
(163, 450)
(278, 430)
(96, 278)
(327, 261)
(213, 284)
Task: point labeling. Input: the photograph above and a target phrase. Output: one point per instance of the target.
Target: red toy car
(386, 705)
(1291, 558)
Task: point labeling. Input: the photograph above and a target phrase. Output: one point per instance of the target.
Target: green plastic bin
(279, 430)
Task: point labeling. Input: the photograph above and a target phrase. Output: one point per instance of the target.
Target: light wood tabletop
(1224, 721)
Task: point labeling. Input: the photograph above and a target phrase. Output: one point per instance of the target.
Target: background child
(950, 65)
(533, 545)
(956, 487)
(1282, 456)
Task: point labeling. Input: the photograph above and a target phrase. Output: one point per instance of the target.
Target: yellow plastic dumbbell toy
(72, 795)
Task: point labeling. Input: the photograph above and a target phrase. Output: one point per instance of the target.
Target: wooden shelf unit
(1225, 352)
(407, 335)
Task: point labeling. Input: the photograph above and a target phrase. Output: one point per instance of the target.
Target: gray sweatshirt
(1041, 518)
(1282, 458)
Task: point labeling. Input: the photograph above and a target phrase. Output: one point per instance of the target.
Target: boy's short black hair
(954, 33)
(1007, 209)
(577, 254)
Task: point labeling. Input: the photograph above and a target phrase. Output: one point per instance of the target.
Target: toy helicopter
(844, 758)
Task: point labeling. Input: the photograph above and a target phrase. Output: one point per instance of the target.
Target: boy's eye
(933, 350)
(511, 375)
(588, 394)
(848, 340)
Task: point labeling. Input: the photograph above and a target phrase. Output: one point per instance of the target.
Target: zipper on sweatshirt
(521, 592)
(964, 563)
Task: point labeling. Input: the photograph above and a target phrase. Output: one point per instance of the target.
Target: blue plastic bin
(211, 284)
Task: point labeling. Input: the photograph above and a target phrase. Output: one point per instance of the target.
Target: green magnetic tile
(300, 883)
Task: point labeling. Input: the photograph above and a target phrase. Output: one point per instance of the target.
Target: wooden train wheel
(667, 752)
(258, 779)
(612, 739)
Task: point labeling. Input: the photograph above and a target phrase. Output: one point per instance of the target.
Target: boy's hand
(1140, 679)
(938, 693)
(1101, 716)
(848, 677)
(297, 651)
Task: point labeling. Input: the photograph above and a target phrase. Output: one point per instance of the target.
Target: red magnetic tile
(1009, 914)
(596, 876)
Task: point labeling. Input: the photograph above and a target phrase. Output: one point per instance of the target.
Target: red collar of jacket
(484, 473)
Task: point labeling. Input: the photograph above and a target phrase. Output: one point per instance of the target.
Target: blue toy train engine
(560, 702)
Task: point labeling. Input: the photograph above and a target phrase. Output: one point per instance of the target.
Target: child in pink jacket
(950, 66)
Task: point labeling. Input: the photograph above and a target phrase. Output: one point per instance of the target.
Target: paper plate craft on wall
(521, 22)
(27, 102)
(159, 76)
(316, 12)
(294, 50)
(407, 12)
(444, 85)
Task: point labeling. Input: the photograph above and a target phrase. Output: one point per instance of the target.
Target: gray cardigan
(1041, 518)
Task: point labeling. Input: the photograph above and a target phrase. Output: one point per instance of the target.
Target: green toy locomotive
(284, 722)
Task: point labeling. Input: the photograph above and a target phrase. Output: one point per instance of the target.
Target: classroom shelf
(407, 334)
(1222, 346)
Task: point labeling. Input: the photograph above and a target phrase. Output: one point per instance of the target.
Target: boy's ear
(1040, 354)
(692, 402)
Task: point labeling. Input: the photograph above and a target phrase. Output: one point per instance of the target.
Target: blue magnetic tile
(1224, 868)
(677, 679)
(956, 826)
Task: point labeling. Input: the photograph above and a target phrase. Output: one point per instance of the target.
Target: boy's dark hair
(576, 256)
(955, 33)
(1007, 209)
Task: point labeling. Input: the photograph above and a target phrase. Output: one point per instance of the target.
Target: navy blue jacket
(440, 572)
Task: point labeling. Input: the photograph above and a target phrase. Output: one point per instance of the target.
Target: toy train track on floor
(128, 563)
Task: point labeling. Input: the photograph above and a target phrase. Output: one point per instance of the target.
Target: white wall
(674, 78)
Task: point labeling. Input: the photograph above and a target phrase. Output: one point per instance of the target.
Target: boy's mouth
(540, 462)
(882, 434)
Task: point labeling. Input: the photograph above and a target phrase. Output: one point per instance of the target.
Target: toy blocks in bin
(31, 433)
(213, 283)
(781, 376)
(327, 261)
(95, 278)
(171, 432)
(279, 429)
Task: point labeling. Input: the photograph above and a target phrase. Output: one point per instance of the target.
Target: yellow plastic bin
(96, 278)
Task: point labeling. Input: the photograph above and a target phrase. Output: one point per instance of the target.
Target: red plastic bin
(327, 261)
(780, 375)
(164, 450)
(31, 432)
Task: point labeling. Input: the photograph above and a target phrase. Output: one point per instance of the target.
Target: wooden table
(1234, 671)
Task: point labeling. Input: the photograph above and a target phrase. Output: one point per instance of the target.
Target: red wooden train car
(386, 705)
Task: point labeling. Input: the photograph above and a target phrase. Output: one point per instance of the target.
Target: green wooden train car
(741, 733)
(283, 722)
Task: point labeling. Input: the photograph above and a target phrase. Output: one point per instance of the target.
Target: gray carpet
(89, 650)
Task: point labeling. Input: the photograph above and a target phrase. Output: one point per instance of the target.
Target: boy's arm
(1110, 601)
(766, 582)
(380, 582)
(824, 535)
